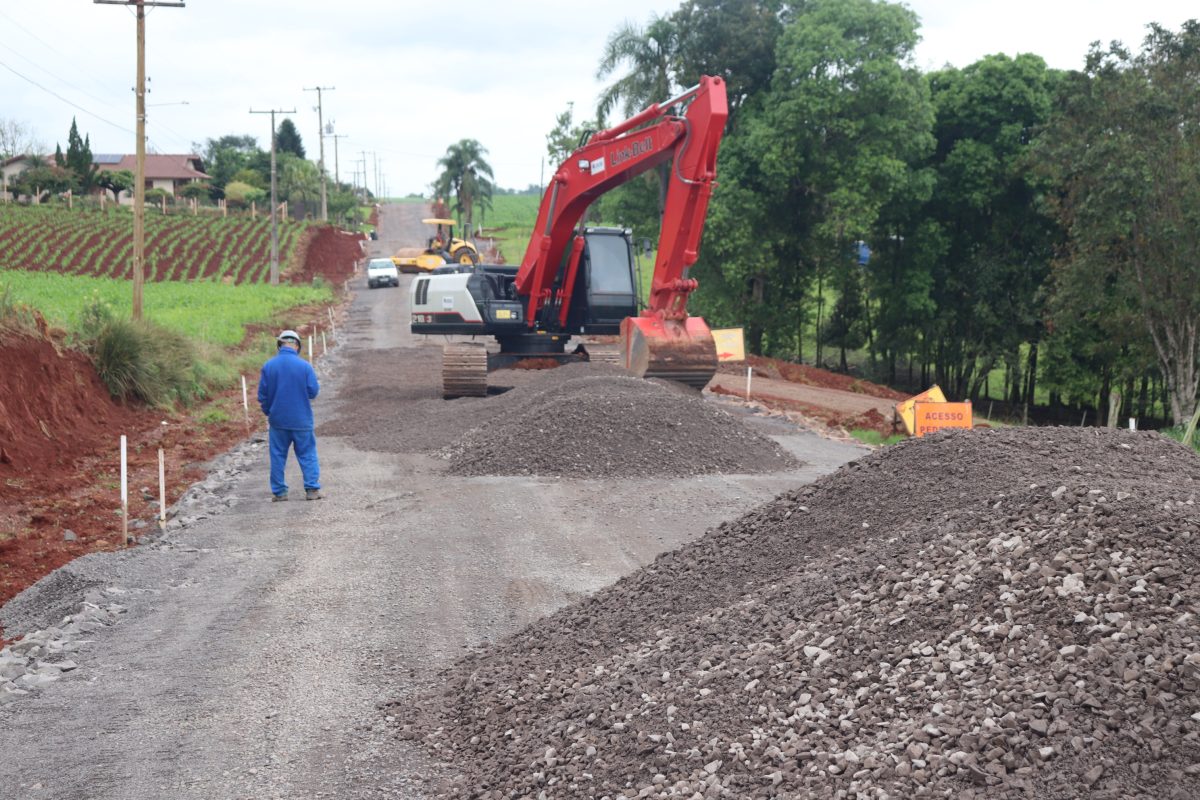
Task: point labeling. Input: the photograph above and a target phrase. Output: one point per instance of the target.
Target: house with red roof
(167, 172)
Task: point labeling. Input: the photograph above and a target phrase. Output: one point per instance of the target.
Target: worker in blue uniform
(286, 389)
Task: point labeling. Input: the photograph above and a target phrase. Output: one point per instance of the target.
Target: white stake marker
(124, 493)
(310, 352)
(324, 346)
(162, 489)
(749, 372)
(245, 402)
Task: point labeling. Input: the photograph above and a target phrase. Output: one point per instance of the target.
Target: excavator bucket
(676, 350)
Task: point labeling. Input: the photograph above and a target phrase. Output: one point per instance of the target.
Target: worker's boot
(278, 498)
(312, 494)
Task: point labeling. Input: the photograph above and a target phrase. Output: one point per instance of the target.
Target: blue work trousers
(305, 443)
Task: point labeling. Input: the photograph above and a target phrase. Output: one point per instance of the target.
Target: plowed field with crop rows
(181, 247)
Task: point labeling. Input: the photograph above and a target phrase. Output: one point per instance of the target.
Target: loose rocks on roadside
(1006, 613)
(43, 656)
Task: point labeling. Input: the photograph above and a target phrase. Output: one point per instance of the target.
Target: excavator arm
(664, 341)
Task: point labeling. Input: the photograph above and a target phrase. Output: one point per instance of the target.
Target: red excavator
(577, 280)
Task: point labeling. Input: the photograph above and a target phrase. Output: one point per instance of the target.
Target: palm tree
(649, 53)
(468, 177)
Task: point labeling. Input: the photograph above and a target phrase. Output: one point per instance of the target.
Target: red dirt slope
(52, 407)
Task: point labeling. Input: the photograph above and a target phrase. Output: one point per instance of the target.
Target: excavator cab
(605, 291)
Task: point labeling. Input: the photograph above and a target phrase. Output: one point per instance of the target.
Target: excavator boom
(663, 341)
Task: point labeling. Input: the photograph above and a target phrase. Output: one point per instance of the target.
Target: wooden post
(1083, 422)
(163, 201)
(70, 199)
(1114, 408)
(224, 208)
(324, 347)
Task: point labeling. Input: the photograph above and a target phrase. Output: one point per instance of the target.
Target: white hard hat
(288, 336)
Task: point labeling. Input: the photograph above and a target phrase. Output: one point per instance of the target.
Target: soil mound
(611, 426)
(53, 409)
(811, 376)
(332, 254)
(990, 613)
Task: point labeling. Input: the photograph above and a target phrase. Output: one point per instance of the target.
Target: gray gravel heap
(1005, 613)
(42, 657)
(599, 426)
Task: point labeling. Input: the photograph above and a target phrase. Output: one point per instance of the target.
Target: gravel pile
(1005, 613)
(579, 420)
(596, 426)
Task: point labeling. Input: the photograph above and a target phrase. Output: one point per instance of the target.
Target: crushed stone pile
(610, 425)
(992, 613)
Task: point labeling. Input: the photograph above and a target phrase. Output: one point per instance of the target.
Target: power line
(58, 78)
(65, 100)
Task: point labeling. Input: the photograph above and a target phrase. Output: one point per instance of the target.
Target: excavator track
(606, 354)
(464, 370)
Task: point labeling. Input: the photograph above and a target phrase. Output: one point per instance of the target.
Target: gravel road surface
(250, 652)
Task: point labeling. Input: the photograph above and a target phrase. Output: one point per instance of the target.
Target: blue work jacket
(286, 387)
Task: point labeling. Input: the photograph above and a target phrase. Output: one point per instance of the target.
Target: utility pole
(321, 131)
(274, 202)
(139, 183)
(375, 172)
(366, 189)
(335, 136)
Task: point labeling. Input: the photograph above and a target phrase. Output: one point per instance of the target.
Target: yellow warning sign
(731, 344)
(904, 410)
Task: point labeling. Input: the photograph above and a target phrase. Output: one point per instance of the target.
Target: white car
(382, 272)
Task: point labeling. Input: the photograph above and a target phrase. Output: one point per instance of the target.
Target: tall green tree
(78, 158)
(647, 54)
(298, 182)
(732, 39)
(287, 139)
(836, 139)
(224, 157)
(988, 285)
(1125, 150)
(467, 177)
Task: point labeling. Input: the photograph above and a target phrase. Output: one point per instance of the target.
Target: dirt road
(257, 642)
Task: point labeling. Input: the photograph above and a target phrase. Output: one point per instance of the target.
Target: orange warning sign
(930, 417)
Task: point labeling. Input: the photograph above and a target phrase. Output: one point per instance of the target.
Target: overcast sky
(412, 77)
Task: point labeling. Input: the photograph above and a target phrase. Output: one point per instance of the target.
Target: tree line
(1001, 229)
(239, 172)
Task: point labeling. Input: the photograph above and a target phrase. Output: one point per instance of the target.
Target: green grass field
(205, 311)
